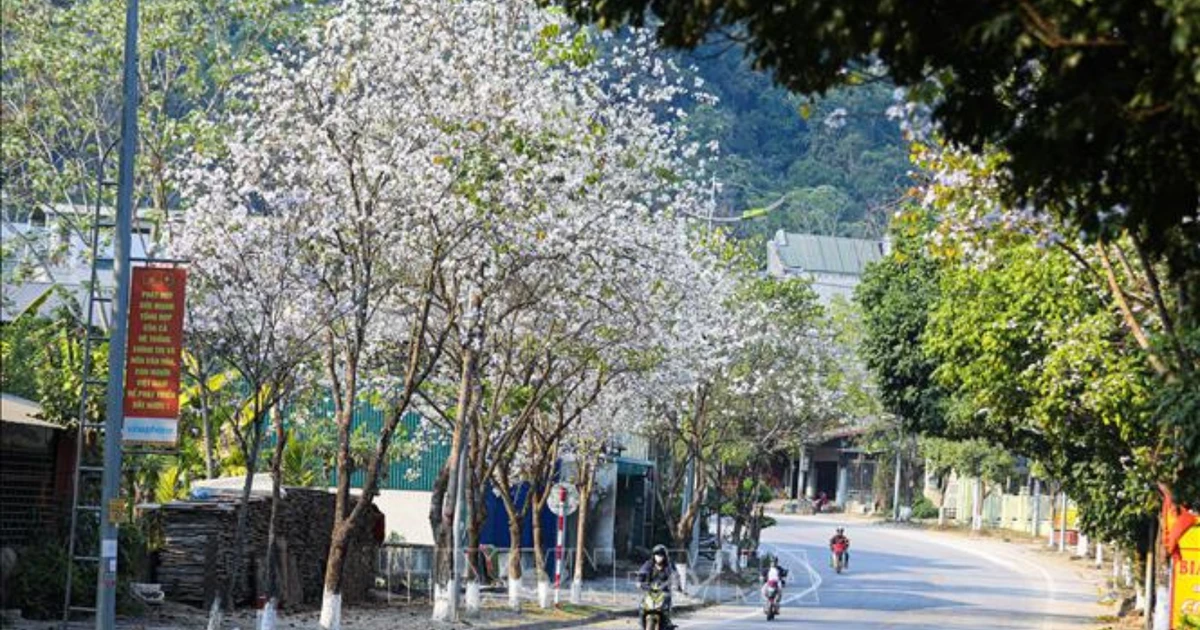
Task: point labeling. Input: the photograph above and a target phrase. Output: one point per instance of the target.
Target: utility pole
(1037, 506)
(106, 576)
(1062, 525)
(896, 489)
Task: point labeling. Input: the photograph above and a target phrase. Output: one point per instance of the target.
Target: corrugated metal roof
(19, 410)
(826, 254)
(261, 485)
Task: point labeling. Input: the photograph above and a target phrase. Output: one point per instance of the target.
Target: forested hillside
(839, 160)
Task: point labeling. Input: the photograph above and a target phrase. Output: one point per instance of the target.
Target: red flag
(1176, 521)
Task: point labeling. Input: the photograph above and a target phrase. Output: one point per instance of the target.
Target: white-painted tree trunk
(543, 593)
(977, 505)
(269, 615)
(1081, 549)
(215, 615)
(514, 594)
(474, 600)
(1099, 555)
(331, 611)
(576, 592)
(441, 603)
(1162, 609)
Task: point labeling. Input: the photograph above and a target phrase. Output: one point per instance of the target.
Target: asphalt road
(913, 580)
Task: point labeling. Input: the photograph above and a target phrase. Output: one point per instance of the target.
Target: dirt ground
(379, 616)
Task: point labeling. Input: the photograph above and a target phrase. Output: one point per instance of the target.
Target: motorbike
(653, 605)
(772, 591)
(839, 557)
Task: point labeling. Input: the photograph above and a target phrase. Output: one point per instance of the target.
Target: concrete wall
(406, 512)
(1005, 511)
(636, 447)
(827, 285)
(602, 518)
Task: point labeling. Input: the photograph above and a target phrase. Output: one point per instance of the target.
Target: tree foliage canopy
(1096, 104)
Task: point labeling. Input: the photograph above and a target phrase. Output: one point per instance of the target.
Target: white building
(49, 256)
(833, 465)
(834, 264)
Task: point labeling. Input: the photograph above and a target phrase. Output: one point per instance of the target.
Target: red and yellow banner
(153, 354)
(1185, 582)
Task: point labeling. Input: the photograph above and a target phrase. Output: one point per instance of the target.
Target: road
(913, 580)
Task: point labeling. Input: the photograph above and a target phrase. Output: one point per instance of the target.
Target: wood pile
(197, 554)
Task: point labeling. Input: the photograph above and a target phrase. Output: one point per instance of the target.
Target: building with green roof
(833, 263)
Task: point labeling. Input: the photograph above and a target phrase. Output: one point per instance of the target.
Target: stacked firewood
(198, 555)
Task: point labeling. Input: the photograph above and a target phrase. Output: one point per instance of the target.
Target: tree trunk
(441, 566)
(683, 528)
(206, 428)
(225, 599)
(331, 598)
(514, 561)
(514, 539)
(268, 619)
(451, 518)
(589, 475)
(539, 557)
(475, 569)
(757, 514)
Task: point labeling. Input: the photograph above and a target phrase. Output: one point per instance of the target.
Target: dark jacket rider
(658, 572)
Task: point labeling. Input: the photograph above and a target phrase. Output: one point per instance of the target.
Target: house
(619, 520)
(50, 257)
(37, 460)
(836, 466)
(834, 264)
(832, 464)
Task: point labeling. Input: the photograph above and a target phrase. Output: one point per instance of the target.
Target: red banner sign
(152, 357)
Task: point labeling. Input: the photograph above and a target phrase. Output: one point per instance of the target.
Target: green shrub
(37, 581)
(922, 508)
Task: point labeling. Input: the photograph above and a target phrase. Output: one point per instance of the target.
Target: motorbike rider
(773, 571)
(658, 571)
(840, 538)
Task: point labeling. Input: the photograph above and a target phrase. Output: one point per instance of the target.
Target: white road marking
(812, 589)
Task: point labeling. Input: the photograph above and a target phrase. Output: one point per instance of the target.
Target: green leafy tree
(61, 98)
(1121, 152)
(896, 295)
(43, 361)
(1036, 363)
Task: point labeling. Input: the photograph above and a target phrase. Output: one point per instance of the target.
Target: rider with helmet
(773, 572)
(840, 538)
(658, 572)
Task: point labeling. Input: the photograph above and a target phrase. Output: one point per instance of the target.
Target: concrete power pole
(106, 576)
(896, 489)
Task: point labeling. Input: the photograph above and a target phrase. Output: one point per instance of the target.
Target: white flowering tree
(251, 307)
(782, 387)
(444, 159)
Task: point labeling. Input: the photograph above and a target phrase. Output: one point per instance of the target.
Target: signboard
(118, 512)
(152, 357)
(556, 502)
(1185, 582)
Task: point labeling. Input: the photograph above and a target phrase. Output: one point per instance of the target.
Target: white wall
(827, 285)
(602, 520)
(406, 512)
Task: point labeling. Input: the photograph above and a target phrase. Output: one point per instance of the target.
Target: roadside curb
(609, 615)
